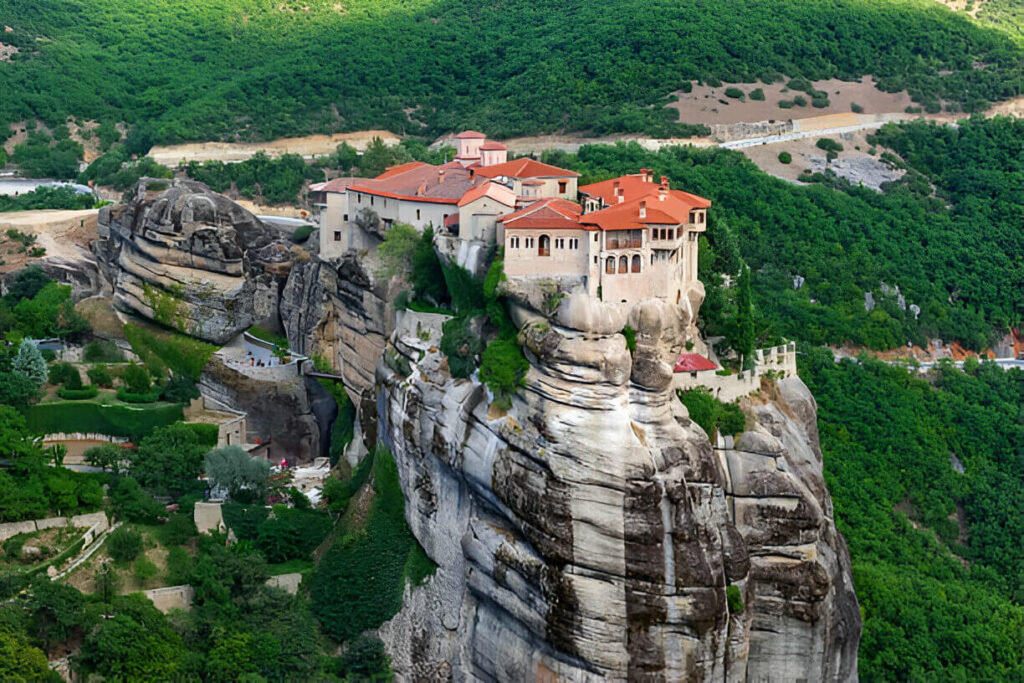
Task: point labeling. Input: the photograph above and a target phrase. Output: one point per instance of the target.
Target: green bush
(130, 503)
(630, 334)
(115, 420)
(757, 94)
(124, 544)
(179, 566)
(785, 104)
(856, 108)
(130, 397)
(503, 367)
(180, 389)
(828, 145)
(244, 520)
(100, 375)
(144, 569)
(90, 391)
(735, 93)
(302, 233)
(365, 658)
(66, 374)
(734, 598)
(266, 335)
(136, 379)
(206, 433)
(785, 157)
(102, 351)
(461, 345)
(800, 101)
(711, 414)
(292, 534)
(178, 529)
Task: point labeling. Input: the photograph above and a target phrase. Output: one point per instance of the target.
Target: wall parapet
(780, 361)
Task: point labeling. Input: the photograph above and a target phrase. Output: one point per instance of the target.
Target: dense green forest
(948, 235)
(257, 69)
(937, 556)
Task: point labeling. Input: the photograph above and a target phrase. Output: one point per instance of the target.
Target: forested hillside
(937, 557)
(948, 235)
(259, 69)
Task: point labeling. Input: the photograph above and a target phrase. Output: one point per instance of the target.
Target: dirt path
(308, 146)
(60, 233)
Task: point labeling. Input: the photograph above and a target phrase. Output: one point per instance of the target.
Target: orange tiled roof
(338, 184)
(693, 362)
(470, 134)
(492, 145)
(495, 190)
(526, 168)
(634, 187)
(552, 213)
(421, 182)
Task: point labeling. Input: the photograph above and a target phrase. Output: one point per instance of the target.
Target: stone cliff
(593, 531)
(191, 259)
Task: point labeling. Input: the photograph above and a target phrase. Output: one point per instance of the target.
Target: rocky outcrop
(182, 255)
(283, 412)
(593, 531)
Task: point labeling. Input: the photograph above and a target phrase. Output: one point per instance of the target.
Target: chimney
(643, 209)
(664, 180)
(645, 175)
(650, 175)
(440, 176)
(472, 173)
(662, 190)
(421, 189)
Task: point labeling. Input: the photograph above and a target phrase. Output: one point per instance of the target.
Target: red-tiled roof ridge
(338, 184)
(526, 168)
(486, 188)
(693, 362)
(570, 210)
(392, 171)
(470, 134)
(492, 145)
(634, 186)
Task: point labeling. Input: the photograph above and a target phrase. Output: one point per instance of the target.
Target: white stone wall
(728, 388)
(97, 519)
(526, 261)
(418, 214)
(333, 225)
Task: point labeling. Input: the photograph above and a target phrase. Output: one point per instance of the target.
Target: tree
(27, 284)
(243, 476)
(136, 379)
(106, 582)
(744, 339)
(378, 157)
(124, 544)
(137, 644)
(30, 363)
(427, 275)
(17, 390)
(503, 368)
(396, 251)
(56, 610)
(169, 460)
(19, 661)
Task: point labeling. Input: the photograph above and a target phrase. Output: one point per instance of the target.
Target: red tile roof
(421, 182)
(526, 168)
(634, 187)
(496, 191)
(693, 362)
(492, 145)
(552, 213)
(338, 184)
(470, 134)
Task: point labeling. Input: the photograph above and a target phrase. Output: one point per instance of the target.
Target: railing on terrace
(624, 243)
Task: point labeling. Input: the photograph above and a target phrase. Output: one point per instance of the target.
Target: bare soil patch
(61, 233)
(807, 156)
(307, 146)
(710, 105)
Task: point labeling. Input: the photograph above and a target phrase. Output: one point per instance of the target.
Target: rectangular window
(345, 217)
(359, 198)
(574, 243)
(562, 185)
(513, 243)
(337, 235)
(559, 243)
(371, 200)
(417, 214)
(529, 243)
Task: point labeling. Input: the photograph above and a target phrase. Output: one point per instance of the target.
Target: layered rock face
(189, 258)
(592, 531)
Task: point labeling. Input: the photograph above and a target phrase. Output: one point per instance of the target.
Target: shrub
(180, 389)
(302, 233)
(233, 469)
(205, 432)
(144, 569)
(102, 351)
(365, 659)
(503, 367)
(711, 414)
(735, 93)
(136, 379)
(856, 108)
(130, 397)
(178, 529)
(630, 334)
(800, 101)
(66, 374)
(244, 520)
(819, 102)
(108, 456)
(292, 534)
(401, 301)
(828, 145)
(179, 566)
(785, 157)
(757, 94)
(101, 376)
(734, 598)
(461, 345)
(78, 394)
(785, 104)
(124, 544)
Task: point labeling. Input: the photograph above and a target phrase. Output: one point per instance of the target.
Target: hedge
(207, 433)
(77, 394)
(114, 420)
(302, 233)
(128, 397)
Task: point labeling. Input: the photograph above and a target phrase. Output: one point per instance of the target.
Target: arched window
(623, 264)
(609, 265)
(636, 263)
(544, 246)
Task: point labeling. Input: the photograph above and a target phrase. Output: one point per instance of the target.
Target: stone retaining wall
(99, 519)
(780, 360)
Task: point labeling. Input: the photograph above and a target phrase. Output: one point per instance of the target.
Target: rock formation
(189, 258)
(593, 531)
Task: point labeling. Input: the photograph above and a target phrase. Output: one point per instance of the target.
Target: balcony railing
(614, 243)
